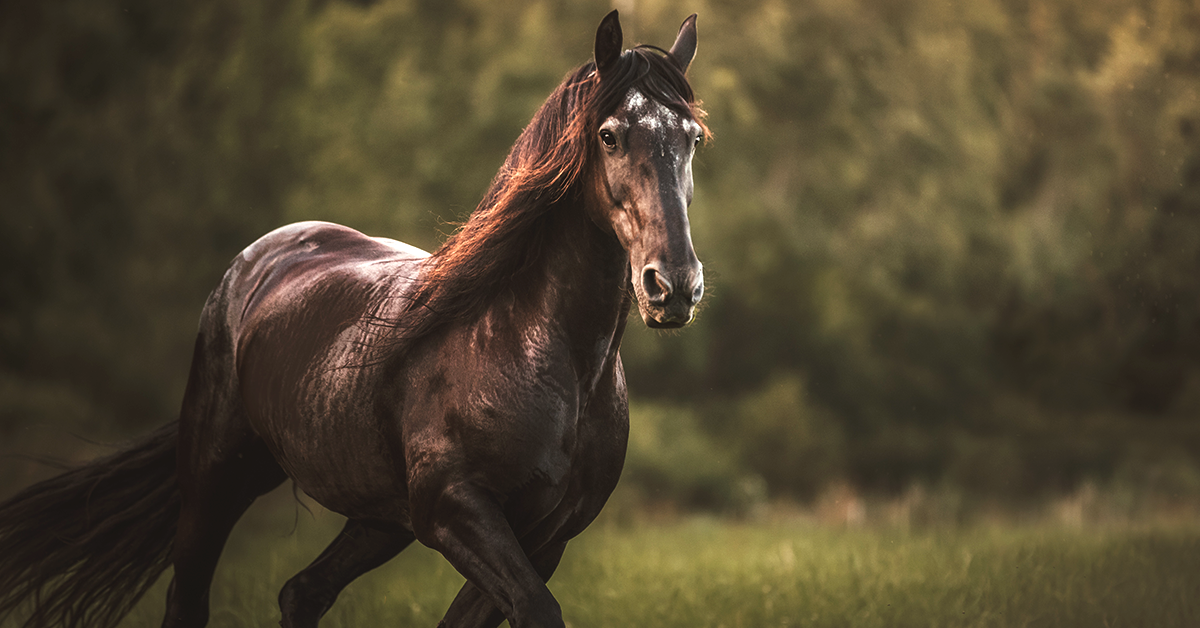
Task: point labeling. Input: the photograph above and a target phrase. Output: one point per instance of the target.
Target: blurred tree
(948, 242)
(144, 145)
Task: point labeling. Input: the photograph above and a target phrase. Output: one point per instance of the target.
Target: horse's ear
(684, 48)
(608, 42)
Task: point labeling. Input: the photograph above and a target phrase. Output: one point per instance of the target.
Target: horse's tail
(82, 548)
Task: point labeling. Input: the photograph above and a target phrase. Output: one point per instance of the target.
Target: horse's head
(644, 169)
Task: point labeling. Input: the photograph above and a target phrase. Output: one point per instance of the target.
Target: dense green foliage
(945, 242)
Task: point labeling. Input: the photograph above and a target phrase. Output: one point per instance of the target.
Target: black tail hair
(81, 548)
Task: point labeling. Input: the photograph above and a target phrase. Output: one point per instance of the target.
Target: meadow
(778, 571)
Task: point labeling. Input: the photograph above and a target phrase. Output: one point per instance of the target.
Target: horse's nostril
(656, 285)
(698, 293)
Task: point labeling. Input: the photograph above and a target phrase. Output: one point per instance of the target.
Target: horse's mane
(544, 169)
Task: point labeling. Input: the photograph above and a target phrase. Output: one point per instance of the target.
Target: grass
(710, 574)
(701, 572)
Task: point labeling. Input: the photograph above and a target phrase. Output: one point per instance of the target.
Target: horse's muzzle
(667, 303)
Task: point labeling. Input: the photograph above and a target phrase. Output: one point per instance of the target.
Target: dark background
(947, 246)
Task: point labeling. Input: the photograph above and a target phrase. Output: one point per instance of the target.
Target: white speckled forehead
(650, 113)
(663, 125)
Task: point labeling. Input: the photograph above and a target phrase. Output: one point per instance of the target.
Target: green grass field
(698, 572)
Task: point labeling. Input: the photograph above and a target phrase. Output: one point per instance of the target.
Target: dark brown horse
(472, 399)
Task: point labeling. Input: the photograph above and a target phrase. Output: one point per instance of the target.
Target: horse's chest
(511, 413)
(529, 431)
(516, 421)
(545, 458)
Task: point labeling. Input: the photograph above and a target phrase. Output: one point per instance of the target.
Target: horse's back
(304, 283)
(314, 255)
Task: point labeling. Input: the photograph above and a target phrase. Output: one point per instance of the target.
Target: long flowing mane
(544, 169)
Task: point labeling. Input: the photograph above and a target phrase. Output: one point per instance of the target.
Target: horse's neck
(583, 277)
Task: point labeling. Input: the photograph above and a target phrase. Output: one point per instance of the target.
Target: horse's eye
(696, 142)
(608, 138)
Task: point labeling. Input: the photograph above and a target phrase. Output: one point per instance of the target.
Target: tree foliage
(945, 242)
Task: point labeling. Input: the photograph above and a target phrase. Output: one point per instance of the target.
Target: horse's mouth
(668, 320)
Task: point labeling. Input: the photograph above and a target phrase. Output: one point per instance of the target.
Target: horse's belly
(321, 426)
(359, 501)
(344, 472)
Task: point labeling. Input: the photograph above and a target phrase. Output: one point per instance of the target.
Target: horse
(472, 399)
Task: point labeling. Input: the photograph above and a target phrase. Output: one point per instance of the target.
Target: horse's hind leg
(358, 548)
(223, 466)
(211, 507)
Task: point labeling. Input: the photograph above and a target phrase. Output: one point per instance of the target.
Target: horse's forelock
(656, 75)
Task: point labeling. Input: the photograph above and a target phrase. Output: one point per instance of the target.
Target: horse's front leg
(474, 609)
(467, 525)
